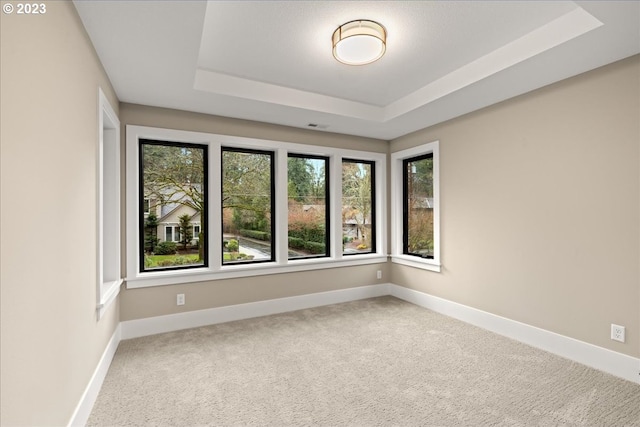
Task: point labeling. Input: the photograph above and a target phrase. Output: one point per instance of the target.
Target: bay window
(202, 207)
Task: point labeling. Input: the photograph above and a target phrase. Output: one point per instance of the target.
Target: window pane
(308, 206)
(173, 187)
(247, 206)
(418, 209)
(358, 213)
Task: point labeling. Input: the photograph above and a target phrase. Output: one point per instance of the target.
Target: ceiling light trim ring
(359, 42)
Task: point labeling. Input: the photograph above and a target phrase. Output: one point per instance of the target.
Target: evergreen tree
(150, 233)
(186, 232)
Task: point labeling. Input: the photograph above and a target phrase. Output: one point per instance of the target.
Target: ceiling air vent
(317, 126)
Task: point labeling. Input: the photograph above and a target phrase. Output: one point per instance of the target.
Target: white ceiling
(271, 61)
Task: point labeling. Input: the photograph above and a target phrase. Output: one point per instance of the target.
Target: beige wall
(132, 114)
(160, 300)
(157, 301)
(540, 200)
(51, 341)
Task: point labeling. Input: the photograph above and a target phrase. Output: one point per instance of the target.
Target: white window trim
(215, 270)
(108, 274)
(166, 228)
(397, 255)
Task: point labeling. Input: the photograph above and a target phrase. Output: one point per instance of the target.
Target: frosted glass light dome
(359, 42)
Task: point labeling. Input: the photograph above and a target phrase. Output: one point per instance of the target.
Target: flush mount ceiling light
(359, 42)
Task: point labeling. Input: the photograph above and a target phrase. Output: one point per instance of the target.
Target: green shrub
(182, 260)
(254, 234)
(165, 248)
(235, 256)
(233, 245)
(295, 242)
(315, 247)
(307, 231)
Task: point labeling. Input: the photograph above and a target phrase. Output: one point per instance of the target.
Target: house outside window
(173, 184)
(235, 187)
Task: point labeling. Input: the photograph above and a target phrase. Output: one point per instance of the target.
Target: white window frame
(215, 270)
(397, 194)
(166, 228)
(175, 233)
(109, 277)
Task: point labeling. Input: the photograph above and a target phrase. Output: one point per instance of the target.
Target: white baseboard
(193, 319)
(618, 364)
(83, 409)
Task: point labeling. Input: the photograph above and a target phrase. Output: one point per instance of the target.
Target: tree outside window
(248, 205)
(173, 178)
(418, 199)
(358, 213)
(308, 206)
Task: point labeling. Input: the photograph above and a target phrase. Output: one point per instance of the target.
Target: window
(358, 207)
(108, 235)
(417, 209)
(415, 213)
(248, 204)
(221, 206)
(174, 175)
(308, 206)
(172, 233)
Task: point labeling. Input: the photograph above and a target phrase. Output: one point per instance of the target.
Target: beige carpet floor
(376, 362)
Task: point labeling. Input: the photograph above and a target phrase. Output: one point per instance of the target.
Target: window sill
(416, 262)
(109, 293)
(174, 277)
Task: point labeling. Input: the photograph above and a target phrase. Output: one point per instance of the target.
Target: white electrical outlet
(180, 299)
(379, 274)
(617, 332)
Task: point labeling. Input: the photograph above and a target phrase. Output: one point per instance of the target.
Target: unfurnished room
(320, 213)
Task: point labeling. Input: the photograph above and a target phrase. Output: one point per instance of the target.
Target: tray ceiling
(271, 61)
